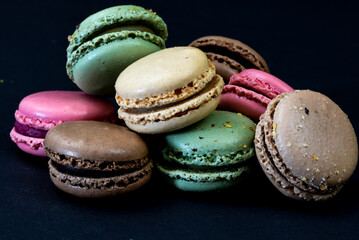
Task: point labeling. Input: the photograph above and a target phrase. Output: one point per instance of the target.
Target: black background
(310, 45)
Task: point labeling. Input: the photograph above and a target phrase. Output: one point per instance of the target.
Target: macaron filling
(89, 172)
(210, 158)
(26, 130)
(211, 90)
(112, 29)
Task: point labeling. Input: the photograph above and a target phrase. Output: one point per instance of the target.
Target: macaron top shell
(315, 139)
(65, 106)
(113, 17)
(95, 141)
(231, 48)
(160, 72)
(221, 131)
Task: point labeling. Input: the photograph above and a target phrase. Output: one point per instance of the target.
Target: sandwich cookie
(250, 91)
(306, 145)
(39, 112)
(108, 41)
(230, 56)
(96, 159)
(168, 90)
(211, 154)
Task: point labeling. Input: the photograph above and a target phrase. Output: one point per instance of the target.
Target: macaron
(168, 90)
(306, 145)
(108, 41)
(250, 91)
(212, 154)
(39, 112)
(92, 159)
(230, 56)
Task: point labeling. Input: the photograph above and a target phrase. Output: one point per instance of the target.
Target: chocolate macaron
(230, 56)
(96, 159)
(306, 145)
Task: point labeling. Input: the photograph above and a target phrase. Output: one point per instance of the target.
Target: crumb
(200, 137)
(194, 149)
(252, 129)
(289, 144)
(212, 125)
(227, 125)
(69, 38)
(305, 145)
(244, 126)
(274, 129)
(315, 158)
(304, 179)
(244, 146)
(323, 188)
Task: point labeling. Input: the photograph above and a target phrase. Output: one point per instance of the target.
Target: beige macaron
(306, 145)
(168, 90)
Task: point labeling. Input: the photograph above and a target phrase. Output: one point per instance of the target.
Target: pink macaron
(250, 91)
(41, 111)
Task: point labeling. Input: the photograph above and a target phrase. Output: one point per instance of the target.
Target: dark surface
(310, 46)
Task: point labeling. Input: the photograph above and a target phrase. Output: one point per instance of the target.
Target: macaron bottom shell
(28, 144)
(97, 71)
(94, 187)
(202, 181)
(26, 148)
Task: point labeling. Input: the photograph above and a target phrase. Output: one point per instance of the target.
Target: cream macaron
(168, 90)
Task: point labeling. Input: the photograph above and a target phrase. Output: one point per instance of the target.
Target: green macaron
(106, 42)
(209, 155)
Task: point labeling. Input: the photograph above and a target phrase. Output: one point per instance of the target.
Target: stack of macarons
(39, 112)
(173, 93)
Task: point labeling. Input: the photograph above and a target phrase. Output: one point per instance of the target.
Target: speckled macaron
(108, 41)
(168, 90)
(306, 145)
(96, 159)
(211, 154)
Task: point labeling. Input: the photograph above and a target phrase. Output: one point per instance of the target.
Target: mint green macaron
(106, 42)
(211, 154)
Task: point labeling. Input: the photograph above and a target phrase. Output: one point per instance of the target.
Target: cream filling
(142, 116)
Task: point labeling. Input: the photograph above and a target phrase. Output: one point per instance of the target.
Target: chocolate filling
(29, 131)
(233, 55)
(89, 173)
